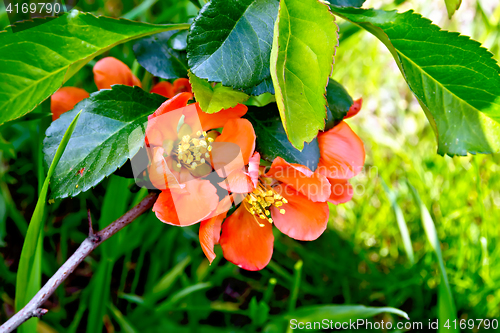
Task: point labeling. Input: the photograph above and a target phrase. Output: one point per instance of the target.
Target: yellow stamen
(261, 199)
(192, 149)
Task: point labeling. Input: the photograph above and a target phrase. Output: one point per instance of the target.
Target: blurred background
(153, 277)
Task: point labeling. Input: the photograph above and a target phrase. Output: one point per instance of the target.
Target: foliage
(305, 37)
(48, 54)
(455, 80)
(104, 139)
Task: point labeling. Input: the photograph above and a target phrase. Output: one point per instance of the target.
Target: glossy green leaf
(28, 280)
(455, 80)
(34, 63)
(339, 102)
(110, 132)
(446, 305)
(230, 41)
(347, 3)
(157, 56)
(272, 140)
(213, 99)
(452, 6)
(305, 38)
(265, 86)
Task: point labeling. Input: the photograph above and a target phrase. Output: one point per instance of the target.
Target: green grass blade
(168, 280)
(403, 228)
(446, 305)
(171, 301)
(296, 285)
(28, 274)
(121, 320)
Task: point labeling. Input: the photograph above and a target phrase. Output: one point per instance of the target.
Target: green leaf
(214, 99)
(110, 132)
(452, 6)
(29, 273)
(455, 80)
(339, 102)
(157, 56)
(347, 3)
(340, 313)
(305, 38)
(272, 140)
(34, 63)
(230, 41)
(446, 305)
(265, 86)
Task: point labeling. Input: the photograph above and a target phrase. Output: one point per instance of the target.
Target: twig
(33, 308)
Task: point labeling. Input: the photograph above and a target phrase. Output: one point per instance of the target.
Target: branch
(33, 308)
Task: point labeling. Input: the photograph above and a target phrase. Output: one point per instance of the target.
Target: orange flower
(168, 90)
(109, 71)
(65, 99)
(290, 196)
(181, 155)
(342, 156)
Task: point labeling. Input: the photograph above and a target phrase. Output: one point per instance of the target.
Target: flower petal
(162, 124)
(65, 99)
(183, 207)
(354, 109)
(209, 235)
(163, 88)
(303, 219)
(313, 185)
(240, 132)
(219, 119)
(342, 153)
(109, 71)
(174, 103)
(237, 182)
(342, 191)
(244, 242)
(210, 228)
(253, 168)
(226, 158)
(161, 173)
(182, 85)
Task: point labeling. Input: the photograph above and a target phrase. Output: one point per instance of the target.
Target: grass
(154, 278)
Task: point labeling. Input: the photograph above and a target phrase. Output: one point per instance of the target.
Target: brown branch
(33, 308)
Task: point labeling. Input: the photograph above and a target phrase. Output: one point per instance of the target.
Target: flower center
(259, 201)
(193, 150)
